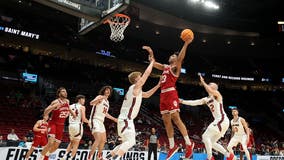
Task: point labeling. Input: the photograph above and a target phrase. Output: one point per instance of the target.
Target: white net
(117, 24)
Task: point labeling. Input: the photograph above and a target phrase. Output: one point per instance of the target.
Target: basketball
(186, 34)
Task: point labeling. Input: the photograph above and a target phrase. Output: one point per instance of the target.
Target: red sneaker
(171, 152)
(189, 150)
(99, 156)
(231, 157)
(45, 158)
(89, 157)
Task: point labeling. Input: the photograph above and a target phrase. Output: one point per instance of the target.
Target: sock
(172, 142)
(187, 141)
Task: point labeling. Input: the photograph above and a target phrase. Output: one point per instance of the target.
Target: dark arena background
(47, 44)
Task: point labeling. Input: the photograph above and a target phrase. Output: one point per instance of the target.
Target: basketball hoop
(117, 24)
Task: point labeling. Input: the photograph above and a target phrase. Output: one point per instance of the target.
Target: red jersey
(60, 114)
(168, 78)
(42, 125)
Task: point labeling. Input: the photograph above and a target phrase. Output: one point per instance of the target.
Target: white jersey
(100, 110)
(237, 126)
(76, 108)
(131, 105)
(216, 108)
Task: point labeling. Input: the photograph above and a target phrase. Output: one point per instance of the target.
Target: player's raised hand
(149, 50)
(188, 41)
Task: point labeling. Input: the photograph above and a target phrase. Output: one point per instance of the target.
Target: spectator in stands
(30, 136)
(12, 136)
(2, 142)
(90, 143)
(22, 143)
(180, 148)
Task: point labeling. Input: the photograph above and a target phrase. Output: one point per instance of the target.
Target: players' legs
(128, 141)
(218, 147)
(169, 128)
(55, 146)
(178, 122)
(102, 144)
(29, 153)
(69, 147)
(96, 143)
(75, 146)
(50, 143)
(233, 142)
(244, 145)
(206, 138)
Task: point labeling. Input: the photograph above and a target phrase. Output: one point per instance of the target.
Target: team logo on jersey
(175, 103)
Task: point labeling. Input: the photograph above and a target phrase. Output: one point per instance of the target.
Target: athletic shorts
(169, 102)
(236, 139)
(39, 141)
(125, 128)
(56, 131)
(219, 127)
(97, 126)
(75, 131)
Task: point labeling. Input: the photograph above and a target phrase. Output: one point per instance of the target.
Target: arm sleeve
(194, 102)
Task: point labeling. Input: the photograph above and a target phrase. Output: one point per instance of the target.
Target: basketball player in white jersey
(129, 110)
(76, 126)
(219, 126)
(241, 133)
(99, 112)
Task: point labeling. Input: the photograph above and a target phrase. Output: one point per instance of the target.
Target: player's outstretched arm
(209, 89)
(142, 80)
(151, 91)
(83, 111)
(197, 102)
(111, 117)
(54, 104)
(157, 65)
(97, 100)
(181, 55)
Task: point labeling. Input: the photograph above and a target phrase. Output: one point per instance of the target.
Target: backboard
(91, 13)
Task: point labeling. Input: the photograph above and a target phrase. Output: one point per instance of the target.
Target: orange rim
(118, 15)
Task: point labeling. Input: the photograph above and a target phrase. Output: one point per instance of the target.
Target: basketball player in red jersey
(40, 135)
(169, 101)
(60, 111)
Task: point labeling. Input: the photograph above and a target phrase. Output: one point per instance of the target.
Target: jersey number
(211, 106)
(105, 110)
(64, 114)
(164, 78)
(236, 129)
